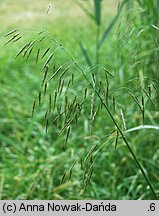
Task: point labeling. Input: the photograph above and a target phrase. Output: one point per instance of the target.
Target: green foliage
(73, 147)
(100, 39)
(112, 23)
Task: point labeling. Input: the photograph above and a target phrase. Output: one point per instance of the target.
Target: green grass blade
(85, 53)
(140, 127)
(111, 25)
(97, 11)
(85, 10)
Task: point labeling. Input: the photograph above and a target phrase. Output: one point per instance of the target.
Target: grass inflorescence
(87, 123)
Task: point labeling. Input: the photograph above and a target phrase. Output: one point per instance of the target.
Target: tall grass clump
(96, 109)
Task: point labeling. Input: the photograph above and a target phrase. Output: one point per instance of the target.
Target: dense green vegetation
(79, 103)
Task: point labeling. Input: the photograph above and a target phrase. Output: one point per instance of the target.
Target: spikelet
(62, 85)
(56, 72)
(45, 74)
(39, 98)
(37, 55)
(44, 54)
(30, 51)
(116, 140)
(48, 60)
(22, 49)
(71, 170)
(108, 72)
(148, 96)
(12, 38)
(114, 103)
(143, 111)
(48, 9)
(63, 177)
(16, 39)
(85, 93)
(63, 73)
(33, 107)
(31, 44)
(123, 119)
(45, 88)
(11, 32)
(67, 135)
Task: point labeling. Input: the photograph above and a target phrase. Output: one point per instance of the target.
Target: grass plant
(75, 129)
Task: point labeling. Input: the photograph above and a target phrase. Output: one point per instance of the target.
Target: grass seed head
(44, 54)
(11, 32)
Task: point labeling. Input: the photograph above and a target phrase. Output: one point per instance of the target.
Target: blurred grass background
(32, 161)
